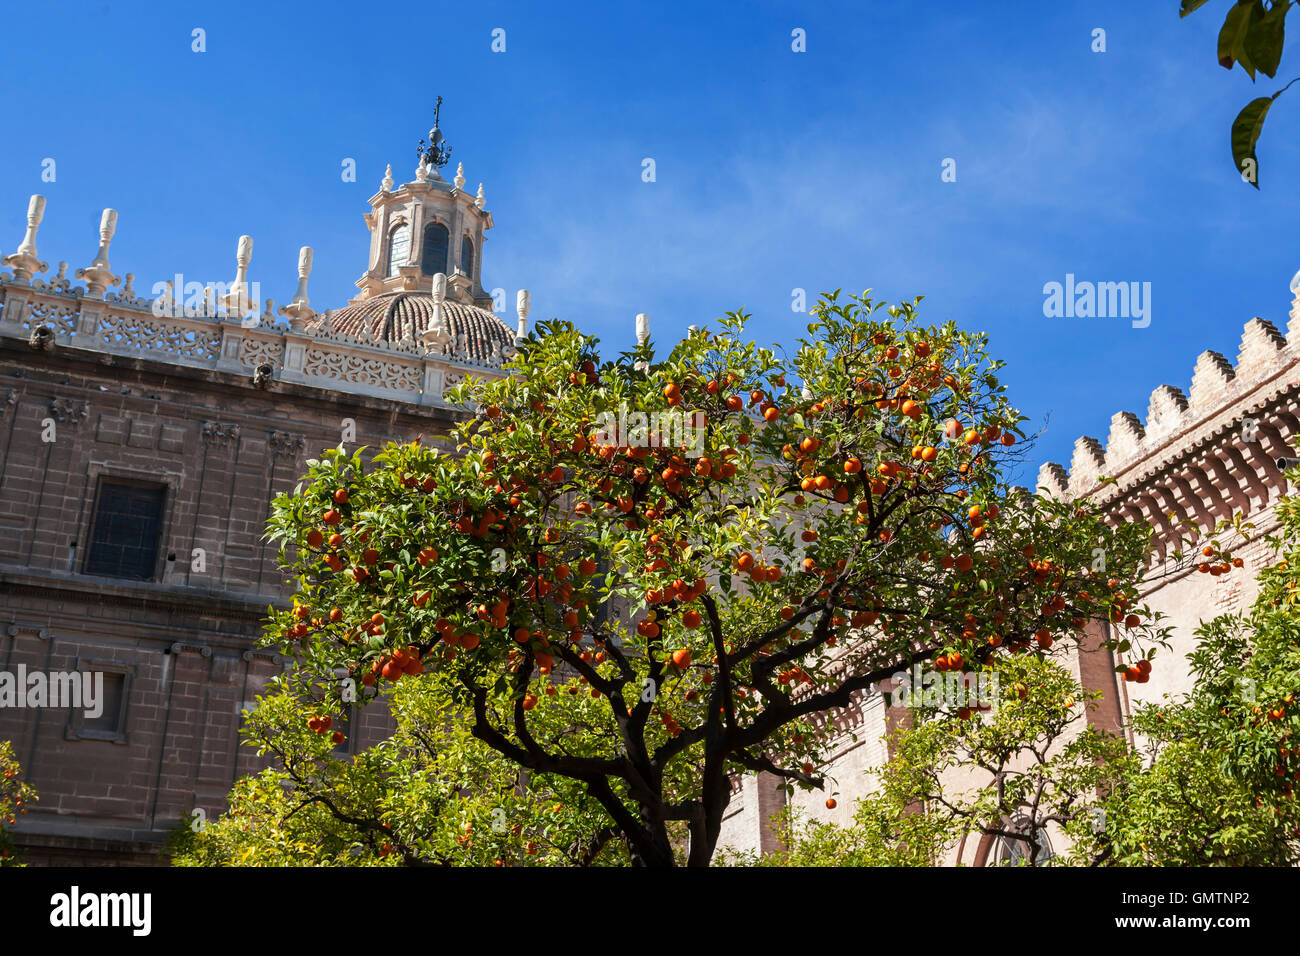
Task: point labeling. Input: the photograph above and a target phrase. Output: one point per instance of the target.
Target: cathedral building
(141, 442)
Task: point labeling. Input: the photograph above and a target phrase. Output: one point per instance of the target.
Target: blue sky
(775, 169)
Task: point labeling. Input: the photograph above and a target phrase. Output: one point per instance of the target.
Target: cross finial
(435, 155)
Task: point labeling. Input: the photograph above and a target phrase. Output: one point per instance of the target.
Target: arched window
(433, 258)
(1035, 851)
(399, 247)
(467, 256)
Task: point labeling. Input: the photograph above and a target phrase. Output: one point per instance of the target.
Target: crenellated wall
(1221, 397)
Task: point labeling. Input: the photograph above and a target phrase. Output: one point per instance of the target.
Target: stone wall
(186, 642)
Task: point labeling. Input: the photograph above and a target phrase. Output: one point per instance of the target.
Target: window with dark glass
(127, 526)
(467, 256)
(109, 721)
(433, 258)
(344, 724)
(399, 247)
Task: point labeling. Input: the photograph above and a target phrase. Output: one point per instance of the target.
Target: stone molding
(332, 362)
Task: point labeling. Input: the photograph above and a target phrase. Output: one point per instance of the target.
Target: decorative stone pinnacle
(299, 310)
(642, 335)
(478, 200)
(437, 335)
(24, 261)
(98, 274)
(460, 176)
(387, 181)
(237, 300)
(35, 213)
(522, 303)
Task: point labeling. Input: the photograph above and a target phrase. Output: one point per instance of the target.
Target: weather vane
(435, 155)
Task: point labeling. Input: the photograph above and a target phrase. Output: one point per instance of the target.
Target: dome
(403, 316)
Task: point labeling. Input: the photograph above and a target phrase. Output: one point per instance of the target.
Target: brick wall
(185, 642)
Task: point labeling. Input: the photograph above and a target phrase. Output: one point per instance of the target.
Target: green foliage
(428, 795)
(1252, 36)
(1223, 761)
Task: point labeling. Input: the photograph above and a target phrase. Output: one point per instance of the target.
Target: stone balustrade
(120, 324)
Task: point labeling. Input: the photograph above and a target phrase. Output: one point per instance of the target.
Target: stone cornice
(268, 357)
(152, 594)
(1178, 427)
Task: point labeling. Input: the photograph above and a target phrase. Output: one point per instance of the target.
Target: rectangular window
(114, 697)
(109, 722)
(127, 526)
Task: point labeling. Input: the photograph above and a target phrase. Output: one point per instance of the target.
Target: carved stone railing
(126, 326)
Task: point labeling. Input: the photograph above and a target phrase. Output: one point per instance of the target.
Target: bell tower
(425, 228)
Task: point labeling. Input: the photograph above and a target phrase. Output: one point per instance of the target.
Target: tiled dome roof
(403, 316)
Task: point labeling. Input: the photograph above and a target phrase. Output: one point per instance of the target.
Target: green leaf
(1189, 5)
(1264, 38)
(1232, 37)
(1245, 134)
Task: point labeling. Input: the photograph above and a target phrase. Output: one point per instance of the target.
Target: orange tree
(718, 549)
(14, 795)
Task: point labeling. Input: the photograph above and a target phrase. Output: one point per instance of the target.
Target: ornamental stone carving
(137, 333)
(361, 370)
(286, 443)
(254, 352)
(220, 433)
(68, 409)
